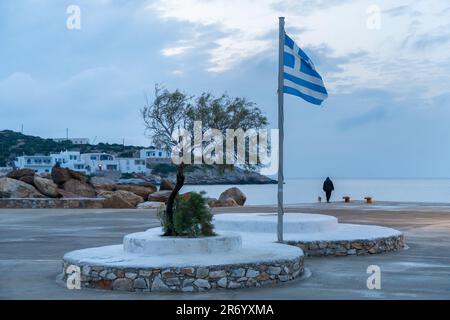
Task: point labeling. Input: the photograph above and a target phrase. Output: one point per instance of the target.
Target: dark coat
(328, 185)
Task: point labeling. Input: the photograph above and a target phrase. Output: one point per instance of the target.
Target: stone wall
(189, 278)
(354, 247)
(52, 203)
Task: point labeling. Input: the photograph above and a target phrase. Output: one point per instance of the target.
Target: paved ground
(33, 241)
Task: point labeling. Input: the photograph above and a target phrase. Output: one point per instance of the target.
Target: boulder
(116, 202)
(66, 194)
(60, 175)
(28, 179)
(166, 185)
(120, 199)
(130, 197)
(18, 189)
(160, 196)
(17, 174)
(139, 190)
(234, 193)
(222, 203)
(46, 186)
(79, 188)
(4, 194)
(137, 182)
(151, 205)
(102, 183)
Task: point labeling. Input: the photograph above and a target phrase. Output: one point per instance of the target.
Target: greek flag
(300, 76)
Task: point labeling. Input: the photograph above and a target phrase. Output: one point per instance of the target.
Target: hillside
(13, 144)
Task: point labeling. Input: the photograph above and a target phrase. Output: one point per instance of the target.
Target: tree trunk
(170, 202)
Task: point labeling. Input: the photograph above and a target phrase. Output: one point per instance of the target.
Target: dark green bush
(192, 217)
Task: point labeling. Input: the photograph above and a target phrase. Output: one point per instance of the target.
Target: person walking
(328, 187)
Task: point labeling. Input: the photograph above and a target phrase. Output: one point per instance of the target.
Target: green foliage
(192, 217)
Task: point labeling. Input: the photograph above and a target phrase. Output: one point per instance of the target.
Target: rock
(222, 203)
(80, 188)
(139, 190)
(234, 193)
(159, 285)
(137, 182)
(172, 281)
(18, 189)
(202, 272)
(150, 205)
(122, 284)
(222, 283)
(67, 194)
(234, 285)
(140, 283)
(60, 175)
(27, 179)
(187, 289)
(187, 271)
(46, 187)
(217, 274)
(274, 270)
(166, 185)
(202, 283)
(238, 272)
(102, 183)
(4, 195)
(112, 200)
(130, 275)
(252, 273)
(130, 197)
(17, 174)
(160, 196)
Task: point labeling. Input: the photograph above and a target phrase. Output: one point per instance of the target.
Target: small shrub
(191, 217)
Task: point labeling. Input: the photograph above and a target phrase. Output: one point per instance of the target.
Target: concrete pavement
(32, 243)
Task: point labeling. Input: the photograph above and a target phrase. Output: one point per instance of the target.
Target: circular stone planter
(315, 234)
(149, 262)
(147, 243)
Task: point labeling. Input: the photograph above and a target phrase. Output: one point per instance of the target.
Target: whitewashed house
(133, 165)
(95, 162)
(38, 163)
(69, 159)
(155, 155)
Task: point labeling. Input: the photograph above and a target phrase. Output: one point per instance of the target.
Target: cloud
(175, 51)
(247, 29)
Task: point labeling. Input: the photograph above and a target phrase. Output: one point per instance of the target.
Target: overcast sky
(388, 111)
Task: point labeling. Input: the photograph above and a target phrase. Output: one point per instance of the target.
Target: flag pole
(280, 128)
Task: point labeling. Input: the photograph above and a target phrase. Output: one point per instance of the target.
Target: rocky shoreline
(64, 188)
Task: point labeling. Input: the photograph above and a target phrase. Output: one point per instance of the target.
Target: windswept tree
(172, 110)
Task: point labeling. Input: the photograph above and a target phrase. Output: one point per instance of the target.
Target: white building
(90, 163)
(133, 165)
(69, 159)
(38, 163)
(73, 140)
(95, 162)
(153, 154)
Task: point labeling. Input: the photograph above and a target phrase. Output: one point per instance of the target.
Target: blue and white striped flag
(300, 76)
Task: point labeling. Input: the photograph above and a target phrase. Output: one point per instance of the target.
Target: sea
(297, 191)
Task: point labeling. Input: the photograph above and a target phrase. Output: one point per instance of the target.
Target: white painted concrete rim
(151, 242)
